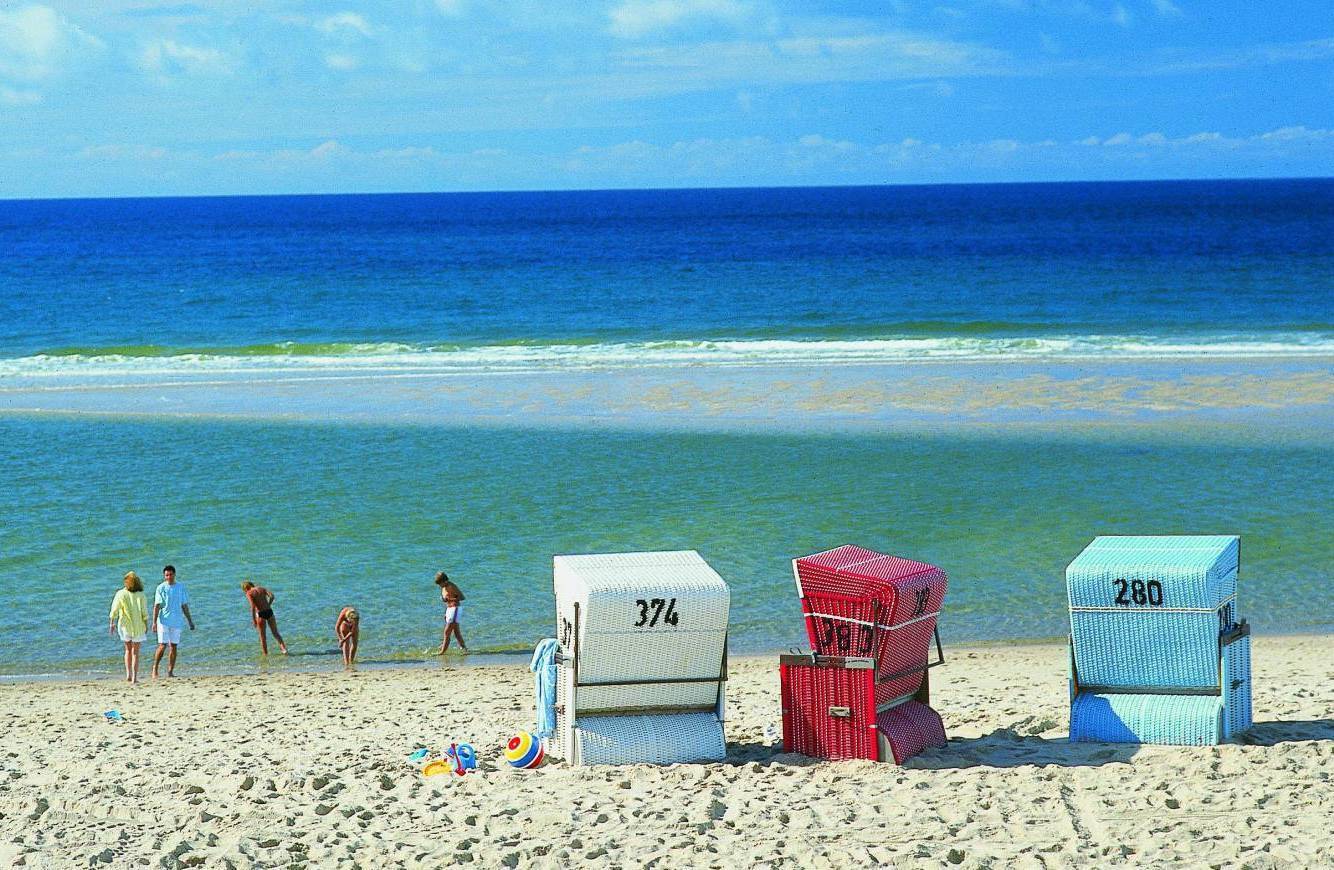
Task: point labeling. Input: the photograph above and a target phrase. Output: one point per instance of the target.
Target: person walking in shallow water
(171, 613)
(261, 614)
(129, 619)
(452, 597)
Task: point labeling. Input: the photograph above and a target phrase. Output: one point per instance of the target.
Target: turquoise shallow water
(329, 514)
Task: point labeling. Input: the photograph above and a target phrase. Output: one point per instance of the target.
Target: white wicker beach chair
(643, 658)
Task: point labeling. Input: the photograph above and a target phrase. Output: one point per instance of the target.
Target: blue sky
(136, 97)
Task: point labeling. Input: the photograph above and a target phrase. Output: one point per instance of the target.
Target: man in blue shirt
(171, 613)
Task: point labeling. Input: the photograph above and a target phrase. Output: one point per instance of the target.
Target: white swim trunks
(453, 614)
(126, 637)
(168, 635)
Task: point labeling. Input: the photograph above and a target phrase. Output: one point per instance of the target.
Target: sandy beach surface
(293, 770)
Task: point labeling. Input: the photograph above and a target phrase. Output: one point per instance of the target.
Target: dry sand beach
(311, 770)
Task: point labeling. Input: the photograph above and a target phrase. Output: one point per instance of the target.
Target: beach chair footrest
(1181, 720)
(650, 739)
(907, 730)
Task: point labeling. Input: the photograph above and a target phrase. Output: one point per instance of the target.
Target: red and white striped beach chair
(871, 619)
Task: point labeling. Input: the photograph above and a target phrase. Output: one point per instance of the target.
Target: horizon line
(556, 190)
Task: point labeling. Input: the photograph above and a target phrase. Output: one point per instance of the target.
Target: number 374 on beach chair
(643, 658)
(1157, 654)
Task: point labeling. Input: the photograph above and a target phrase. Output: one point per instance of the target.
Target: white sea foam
(402, 358)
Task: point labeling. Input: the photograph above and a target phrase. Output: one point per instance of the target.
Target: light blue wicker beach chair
(1156, 652)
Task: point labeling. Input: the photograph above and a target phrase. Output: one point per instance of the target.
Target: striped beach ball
(524, 750)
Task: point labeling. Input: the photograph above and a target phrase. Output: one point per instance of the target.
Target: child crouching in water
(348, 631)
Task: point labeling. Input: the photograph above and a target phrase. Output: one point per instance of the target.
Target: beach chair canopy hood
(1190, 572)
(863, 603)
(643, 616)
(1146, 610)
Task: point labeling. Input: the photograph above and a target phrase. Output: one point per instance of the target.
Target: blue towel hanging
(543, 667)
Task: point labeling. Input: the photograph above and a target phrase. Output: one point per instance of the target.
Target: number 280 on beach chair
(1156, 652)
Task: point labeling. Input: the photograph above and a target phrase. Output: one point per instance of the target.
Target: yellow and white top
(130, 611)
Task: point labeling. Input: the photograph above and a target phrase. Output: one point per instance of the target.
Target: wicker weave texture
(813, 698)
(1184, 720)
(1237, 687)
(830, 712)
(907, 730)
(1143, 648)
(627, 618)
(561, 743)
(1144, 610)
(1196, 571)
(643, 616)
(650, 739)
(860, 602)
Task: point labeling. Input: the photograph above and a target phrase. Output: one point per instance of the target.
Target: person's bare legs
(444, 640)
(453, 628)
(273, 627)
(352, 659)
(157, 658)
(171, 661)
(263, 640)
(129, 655)
(133, 653)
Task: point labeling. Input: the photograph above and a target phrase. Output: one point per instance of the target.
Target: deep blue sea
(122, 296)
(644, 277)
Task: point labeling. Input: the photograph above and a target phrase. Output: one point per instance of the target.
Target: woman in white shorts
(452, 597)
(129, 620)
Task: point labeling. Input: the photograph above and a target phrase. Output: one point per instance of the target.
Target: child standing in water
(348, 631)
(452, 597)
(261, 614)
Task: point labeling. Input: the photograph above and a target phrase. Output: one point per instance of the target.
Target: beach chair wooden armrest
(940, 660)
(814, 659)
(1235, 633)
(664, 681)
(1150, 690)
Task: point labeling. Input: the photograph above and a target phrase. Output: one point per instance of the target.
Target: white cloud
(645, 71)
(13, 97)
(168, 57)
(832, 157)
(636, 18)
(327, 149)
(1297, 134)
(452, 8)
(34, 40)
(939, 89)
(342, 62)
(123, 152)
(345, 22)
(814, 140)
(1121, 16)
(1167, 9)
(814, 158)
(410, 152)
